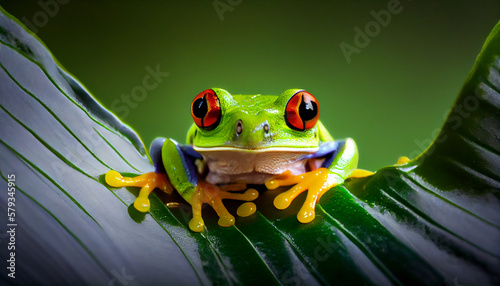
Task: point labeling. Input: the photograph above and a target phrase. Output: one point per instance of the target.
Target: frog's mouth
(231, 164)
(257, 150)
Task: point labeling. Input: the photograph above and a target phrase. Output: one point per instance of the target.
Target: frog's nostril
(266, 128)
(239, 127)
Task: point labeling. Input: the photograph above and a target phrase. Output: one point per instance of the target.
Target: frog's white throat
(231, 164)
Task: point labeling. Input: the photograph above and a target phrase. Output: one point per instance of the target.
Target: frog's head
(255, 122)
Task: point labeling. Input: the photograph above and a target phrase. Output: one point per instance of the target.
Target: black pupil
(308, 110)
(200, 107)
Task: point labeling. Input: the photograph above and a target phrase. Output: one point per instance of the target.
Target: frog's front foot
(147, 182)
(317, 182)
(213, 195)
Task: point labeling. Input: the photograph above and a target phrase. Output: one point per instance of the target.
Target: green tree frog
(247, 139)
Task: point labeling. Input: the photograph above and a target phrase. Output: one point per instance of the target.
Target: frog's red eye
(302, 111)
(205, 109)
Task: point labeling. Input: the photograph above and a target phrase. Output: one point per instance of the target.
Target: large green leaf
(435, 220)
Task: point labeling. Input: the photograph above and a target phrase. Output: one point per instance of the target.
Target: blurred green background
(391, 98)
